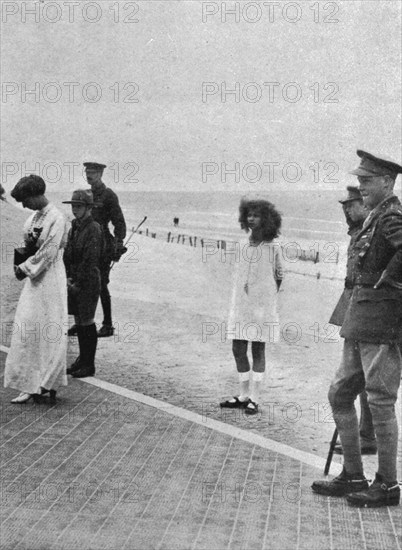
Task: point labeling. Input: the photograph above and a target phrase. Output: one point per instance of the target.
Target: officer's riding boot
(77, 363)
(341, 485)
(380, 493)
(88, 350)
(107, 325)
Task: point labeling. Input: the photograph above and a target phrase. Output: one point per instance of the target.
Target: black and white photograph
(201, 275)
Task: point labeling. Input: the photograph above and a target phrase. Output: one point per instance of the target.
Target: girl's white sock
(244, 379)
(258, 378)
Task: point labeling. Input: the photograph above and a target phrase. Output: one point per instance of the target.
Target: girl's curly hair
(271, 220)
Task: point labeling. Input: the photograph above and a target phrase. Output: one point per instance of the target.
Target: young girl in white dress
(253, 314)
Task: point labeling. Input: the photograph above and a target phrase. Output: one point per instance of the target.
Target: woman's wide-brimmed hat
(28, 186)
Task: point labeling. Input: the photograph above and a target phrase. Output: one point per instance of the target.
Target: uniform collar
(378, 209)
(355, 228)
(99, 190)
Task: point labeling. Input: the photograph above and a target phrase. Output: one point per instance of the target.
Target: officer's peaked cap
(353, 195)
(371, 166)
(94, 166)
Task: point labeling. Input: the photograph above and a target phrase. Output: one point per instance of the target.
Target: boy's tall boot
(74, 367)
(88, 351)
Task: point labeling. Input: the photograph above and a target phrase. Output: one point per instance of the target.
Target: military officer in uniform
(106, 209)
(372, 330)
(355, 214)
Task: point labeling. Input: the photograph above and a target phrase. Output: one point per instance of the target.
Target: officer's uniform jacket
(338, 315)
(107, 209)
(375, 314)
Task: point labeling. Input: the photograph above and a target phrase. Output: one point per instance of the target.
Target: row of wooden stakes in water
(184, 239)
(305, 255)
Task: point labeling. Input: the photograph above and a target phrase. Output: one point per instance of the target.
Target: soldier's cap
(94, 166)
(353, 195)
(28, 186)
(81, 196)
(371, 166)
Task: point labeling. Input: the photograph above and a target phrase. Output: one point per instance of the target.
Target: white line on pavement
(222, 427)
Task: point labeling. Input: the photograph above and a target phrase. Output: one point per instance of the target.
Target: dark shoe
(83, 372)
(251, 408)
(377, 495)
(74, 366)
(105, 331)
(72, 331)
(366, 447)
(39, 397)
(236, 404)
(341, 485)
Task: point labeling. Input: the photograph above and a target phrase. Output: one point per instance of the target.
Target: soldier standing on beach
(355, 214)
(372, 330)
(106, 209)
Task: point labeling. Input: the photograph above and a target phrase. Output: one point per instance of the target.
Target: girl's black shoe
(251, 408)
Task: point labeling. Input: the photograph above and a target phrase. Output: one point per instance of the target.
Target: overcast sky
(155, 125)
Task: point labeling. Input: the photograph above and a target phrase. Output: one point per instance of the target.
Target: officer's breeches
(377, 367)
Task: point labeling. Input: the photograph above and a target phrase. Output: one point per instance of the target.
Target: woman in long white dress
(253, 314)
(36, 362)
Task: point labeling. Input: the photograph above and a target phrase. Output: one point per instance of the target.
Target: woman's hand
(19, 273)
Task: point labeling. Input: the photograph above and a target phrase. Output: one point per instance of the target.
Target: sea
(308, 215)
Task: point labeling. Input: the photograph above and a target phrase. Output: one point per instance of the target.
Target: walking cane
(331, 452)
(134, 230)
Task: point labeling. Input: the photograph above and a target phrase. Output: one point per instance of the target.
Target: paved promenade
(106, 468)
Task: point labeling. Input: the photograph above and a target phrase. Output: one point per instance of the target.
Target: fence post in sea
(168, 237)
(195, 241)
(317, 258)
(202, 243)
(146, 232)
(191, 241)
(217, 244)
(183, 239)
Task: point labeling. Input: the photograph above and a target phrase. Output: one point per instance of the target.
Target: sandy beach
(170, 304)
